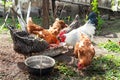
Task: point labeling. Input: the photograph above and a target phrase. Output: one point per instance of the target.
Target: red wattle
(62, 36)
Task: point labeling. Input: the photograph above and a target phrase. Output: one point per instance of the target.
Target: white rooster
(72, 37)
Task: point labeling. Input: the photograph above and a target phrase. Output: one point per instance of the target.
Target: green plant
(94, 5)
(64, 69)
(7, 3)
(100, 22)
(111, 46)
(18, 26)
(99, 25)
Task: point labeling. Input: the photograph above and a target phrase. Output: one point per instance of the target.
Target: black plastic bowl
(40, 65)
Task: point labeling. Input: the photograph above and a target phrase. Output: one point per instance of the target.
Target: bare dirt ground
(13, 68)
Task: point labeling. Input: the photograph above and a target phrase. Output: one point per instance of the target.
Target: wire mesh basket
(24, 43)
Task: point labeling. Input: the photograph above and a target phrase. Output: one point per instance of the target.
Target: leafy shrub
(94, 4)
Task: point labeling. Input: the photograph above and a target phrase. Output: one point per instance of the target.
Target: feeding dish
(40, 65)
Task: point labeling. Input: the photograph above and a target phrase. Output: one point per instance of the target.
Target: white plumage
(74, 36)
(88, 29)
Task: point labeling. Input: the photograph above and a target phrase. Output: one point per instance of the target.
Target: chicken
(72, 37)
(84, 51)
(57, 26)
(46, 35)
(41, 32)
(31, 26)
(92, 18)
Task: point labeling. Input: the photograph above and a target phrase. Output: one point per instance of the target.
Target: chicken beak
(80, 67)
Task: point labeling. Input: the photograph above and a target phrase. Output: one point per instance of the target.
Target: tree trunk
(53, 9)
(45, 8)
(4, 8)
(53, 6)
(16, 2)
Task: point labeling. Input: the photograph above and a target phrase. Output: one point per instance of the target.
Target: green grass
(64, 69)
(111, 46)
(105, 67)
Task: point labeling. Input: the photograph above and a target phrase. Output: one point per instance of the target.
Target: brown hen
(41, 32)
(57, 26)
(31, 26)
(84, 51)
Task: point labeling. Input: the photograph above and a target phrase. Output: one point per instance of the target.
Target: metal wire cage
(24, 43)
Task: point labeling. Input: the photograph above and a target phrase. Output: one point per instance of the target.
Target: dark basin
(40, 65)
